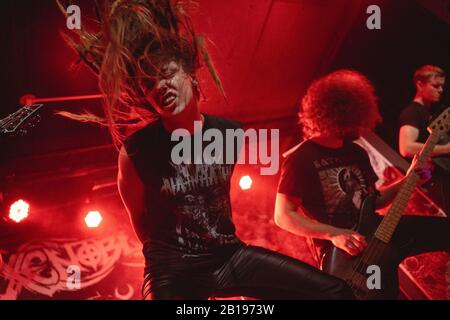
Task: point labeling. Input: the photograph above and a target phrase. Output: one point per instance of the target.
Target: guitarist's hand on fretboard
(424, 171)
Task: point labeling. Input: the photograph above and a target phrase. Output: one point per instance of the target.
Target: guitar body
(354, 270)
(373, 274)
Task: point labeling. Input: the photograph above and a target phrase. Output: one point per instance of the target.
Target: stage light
(19, 211)
(245, 182)
(93, 219)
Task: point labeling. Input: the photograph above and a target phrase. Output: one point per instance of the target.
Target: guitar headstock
(441, 124)
(20, 121)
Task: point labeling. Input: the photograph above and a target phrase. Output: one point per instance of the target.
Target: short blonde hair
(426, 72)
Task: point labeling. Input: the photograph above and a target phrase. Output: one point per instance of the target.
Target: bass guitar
(380, 255)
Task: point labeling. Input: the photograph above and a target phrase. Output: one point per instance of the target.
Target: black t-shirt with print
(187, 206)
(332, 183)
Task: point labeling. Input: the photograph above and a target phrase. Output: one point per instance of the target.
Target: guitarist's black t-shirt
(417, 116)
(420, 117)
(332, 183)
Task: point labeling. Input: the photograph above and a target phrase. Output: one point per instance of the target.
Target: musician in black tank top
(181, 212)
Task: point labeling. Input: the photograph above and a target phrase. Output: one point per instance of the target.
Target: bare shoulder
(288, 199)
(126, 170)
(124, 161)
(131, 190)
(123, 156)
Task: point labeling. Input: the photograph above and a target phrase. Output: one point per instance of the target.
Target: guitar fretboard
(12, 122)
(389, 224)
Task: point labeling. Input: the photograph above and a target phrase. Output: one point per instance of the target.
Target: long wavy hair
(341, 104)
(132, 40)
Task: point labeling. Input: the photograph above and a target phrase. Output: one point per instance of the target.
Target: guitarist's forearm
(388, 193)
(414, 148)
(302, 226)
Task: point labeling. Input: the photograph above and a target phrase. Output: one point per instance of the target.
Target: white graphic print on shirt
(344, 189)
(202, 208)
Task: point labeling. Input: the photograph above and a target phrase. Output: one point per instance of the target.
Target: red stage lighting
(19, 211)
(245, 182)
(93, 219)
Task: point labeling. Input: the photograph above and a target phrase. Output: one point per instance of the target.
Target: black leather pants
(249, 271)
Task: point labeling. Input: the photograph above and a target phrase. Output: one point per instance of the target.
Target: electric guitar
(20, 121)
(380, 255)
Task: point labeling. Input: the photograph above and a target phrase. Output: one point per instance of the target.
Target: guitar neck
(389, 224)
(15, 115)
(5, 121)
(18, 119)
